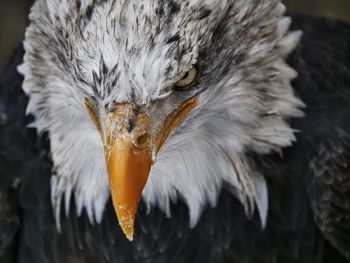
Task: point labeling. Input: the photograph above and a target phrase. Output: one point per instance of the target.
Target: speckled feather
(299, 183)
(130, 51)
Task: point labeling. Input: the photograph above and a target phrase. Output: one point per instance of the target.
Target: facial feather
(133, 51)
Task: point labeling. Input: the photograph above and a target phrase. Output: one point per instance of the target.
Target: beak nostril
(130, 125)
(142, 140)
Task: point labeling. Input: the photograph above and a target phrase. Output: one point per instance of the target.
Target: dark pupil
(185, 76)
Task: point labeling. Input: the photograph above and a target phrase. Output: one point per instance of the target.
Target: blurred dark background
(13, 18)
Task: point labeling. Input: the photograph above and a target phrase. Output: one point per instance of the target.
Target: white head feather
(117, 51)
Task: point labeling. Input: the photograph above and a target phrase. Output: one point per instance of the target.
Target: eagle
(200, 130)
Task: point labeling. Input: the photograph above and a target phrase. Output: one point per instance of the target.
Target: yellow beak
(128, 169)
(129, 151)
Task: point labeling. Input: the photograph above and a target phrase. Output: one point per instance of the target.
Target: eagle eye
(188, 78)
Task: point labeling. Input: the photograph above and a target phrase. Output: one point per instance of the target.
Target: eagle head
(159, 100)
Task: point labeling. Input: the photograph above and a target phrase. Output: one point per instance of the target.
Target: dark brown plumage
(309, 185)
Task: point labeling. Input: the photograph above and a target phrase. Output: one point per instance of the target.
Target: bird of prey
(202, 130)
